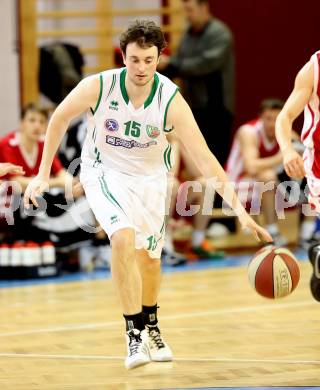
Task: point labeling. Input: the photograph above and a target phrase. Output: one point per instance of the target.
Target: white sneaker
(138, 349)
(159, 349)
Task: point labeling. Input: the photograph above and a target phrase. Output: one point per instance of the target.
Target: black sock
(134, 321)
(150, 315)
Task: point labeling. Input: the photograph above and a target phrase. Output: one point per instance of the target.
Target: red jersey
(310, 135)
(11, 151)
(235, 166)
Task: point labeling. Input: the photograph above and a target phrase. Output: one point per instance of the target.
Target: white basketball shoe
(138, 348)
(159, 349)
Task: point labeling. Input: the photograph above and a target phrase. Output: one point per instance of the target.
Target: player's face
(193, 11)
(33, 125)
(141, 63)
(269, 118)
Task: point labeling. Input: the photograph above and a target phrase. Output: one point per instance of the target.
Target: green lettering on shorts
(152, 243)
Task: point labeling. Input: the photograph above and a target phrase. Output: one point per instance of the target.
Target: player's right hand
(36, 188)
(293, 164)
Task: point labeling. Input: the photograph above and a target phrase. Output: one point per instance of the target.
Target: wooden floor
(70, 335)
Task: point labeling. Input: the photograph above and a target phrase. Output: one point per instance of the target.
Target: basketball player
(125, 160)
(305, 95)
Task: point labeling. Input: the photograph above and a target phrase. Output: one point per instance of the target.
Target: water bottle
(16, 254)
(31, 254)
(48, 253)
(4, 255)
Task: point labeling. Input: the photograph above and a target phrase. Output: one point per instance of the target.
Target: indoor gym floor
(69, 333)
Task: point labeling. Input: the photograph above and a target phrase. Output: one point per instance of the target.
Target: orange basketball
(274, 272)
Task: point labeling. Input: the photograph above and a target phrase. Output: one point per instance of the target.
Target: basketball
(274, 272)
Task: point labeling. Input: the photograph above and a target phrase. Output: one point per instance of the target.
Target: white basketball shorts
(119, 200)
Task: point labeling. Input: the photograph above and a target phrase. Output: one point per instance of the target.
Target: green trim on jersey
(162, 227)
(123, 86)
(100, 95)
(113, 83)
(160, 95)
(166, 157)
(166, 112)
(94, 134)
(169, 157)
(108, 194)
(125, 93)
(153, 91)
(97, 160)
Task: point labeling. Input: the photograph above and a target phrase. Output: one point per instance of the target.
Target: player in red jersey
(24, 148)
(255, 158)
(305, 96)
(10, 169)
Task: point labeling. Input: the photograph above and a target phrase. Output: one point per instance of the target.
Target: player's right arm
(249, 149)
(79, 100)
(294, 106)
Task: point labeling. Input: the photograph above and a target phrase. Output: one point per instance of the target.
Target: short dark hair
(33, 107)
(145, 33)
(271, 104)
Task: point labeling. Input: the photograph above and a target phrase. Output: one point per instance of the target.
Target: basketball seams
(293, 269)
(282, 278)
(254, 265)
(262, 284)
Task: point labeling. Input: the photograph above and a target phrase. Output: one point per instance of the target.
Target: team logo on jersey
(114, 105)
(152, 131)
(128, 144)
(111, 125)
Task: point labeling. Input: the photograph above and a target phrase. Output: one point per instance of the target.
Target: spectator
(179, 197)
(255, 157)
(24, 148)
(205, 62)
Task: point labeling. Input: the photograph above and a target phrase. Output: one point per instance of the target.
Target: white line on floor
(217, 312)
(197, 360)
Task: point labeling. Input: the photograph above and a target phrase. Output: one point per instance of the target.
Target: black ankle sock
(150, 314)
(134, 321)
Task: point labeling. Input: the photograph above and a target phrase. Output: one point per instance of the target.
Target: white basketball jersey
(126, 139)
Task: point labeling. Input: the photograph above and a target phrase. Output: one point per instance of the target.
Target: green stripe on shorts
(108, 194)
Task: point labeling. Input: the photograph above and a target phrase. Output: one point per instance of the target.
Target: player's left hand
(258, 232)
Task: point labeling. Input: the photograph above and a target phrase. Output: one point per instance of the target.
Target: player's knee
(122, 243)
(267, 175)
(152, 265)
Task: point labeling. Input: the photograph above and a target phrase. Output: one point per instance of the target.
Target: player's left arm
(189, 134)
